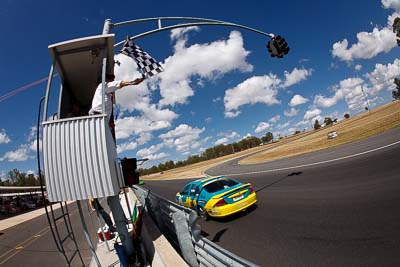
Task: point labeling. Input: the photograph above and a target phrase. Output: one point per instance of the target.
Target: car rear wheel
(203, 213)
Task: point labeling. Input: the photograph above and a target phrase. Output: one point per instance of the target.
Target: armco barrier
(178, 225)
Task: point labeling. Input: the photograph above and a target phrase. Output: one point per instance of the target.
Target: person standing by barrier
(95, 205)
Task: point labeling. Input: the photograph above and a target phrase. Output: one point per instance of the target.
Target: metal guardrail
(178, 225)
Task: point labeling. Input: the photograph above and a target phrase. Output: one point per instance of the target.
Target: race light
(278, 47)
(220, 203)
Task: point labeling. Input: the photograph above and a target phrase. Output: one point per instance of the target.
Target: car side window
(194, 191)
(185, 190)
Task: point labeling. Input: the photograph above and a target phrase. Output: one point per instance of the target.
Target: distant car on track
(218, 196)
(332, 135)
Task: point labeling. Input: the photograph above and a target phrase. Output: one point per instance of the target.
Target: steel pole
(120, 223)
(113, 201)
(366, 99)
(107, 26)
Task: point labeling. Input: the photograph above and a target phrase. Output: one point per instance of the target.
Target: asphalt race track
(31, 243)
(324, 212)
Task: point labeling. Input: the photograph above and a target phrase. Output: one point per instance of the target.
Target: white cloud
(222, 140)
(369, 44)
(260, 89)
(302, 123)
(232, 135)
(261, 127)
(144, 138)
(182, 137)
(24, 152)
(232, 114)
(382, 76)
(246, 136)
(297, 100)
(350, 89)
(129, 126)
(161, 155)
(216, 100)
(326, 102)
(274, 119)
(180, 32)
(151, 152)
(33, 145)
(208, 61)
(32, 133)
(312, 113)
(358, 67)
(226, 137)
(257, 89)
(283, 125)
(303, 60)
(296, 76)
(229, 135)
(126, 146)
(208, 120)
(394, 4)
(290, 113)
(146, 152)
(21, 154)
(4, 139)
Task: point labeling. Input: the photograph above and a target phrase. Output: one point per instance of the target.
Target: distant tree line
(17, 178)
(328, 121)
(210, 153)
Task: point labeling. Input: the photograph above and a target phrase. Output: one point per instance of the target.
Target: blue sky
(219, 84)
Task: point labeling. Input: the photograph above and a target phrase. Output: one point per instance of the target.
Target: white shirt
(110, 87)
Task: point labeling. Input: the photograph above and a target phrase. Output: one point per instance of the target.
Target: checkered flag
(147, 65)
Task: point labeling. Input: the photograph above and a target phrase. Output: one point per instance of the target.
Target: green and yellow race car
(218, 196)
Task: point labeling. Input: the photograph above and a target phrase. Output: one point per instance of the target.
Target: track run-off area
(335, 207)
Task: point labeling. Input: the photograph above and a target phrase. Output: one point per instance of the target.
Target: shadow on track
(219, 234)
(279, 180)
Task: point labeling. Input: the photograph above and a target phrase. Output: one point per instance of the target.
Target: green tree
(317, 125)
(328, 121)
(396, 29)
(396, 92)
(31, 180)
(267, 137)
(210, 153)
(14, 176)
(169, 164)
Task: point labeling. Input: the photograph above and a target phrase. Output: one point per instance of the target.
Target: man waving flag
(147, 65)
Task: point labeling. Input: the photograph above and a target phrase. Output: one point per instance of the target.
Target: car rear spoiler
(233, 190)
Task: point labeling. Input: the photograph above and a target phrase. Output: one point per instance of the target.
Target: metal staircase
(58, 216)
(61, 228)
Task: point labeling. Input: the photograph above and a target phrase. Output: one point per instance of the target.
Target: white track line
(318, 163)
